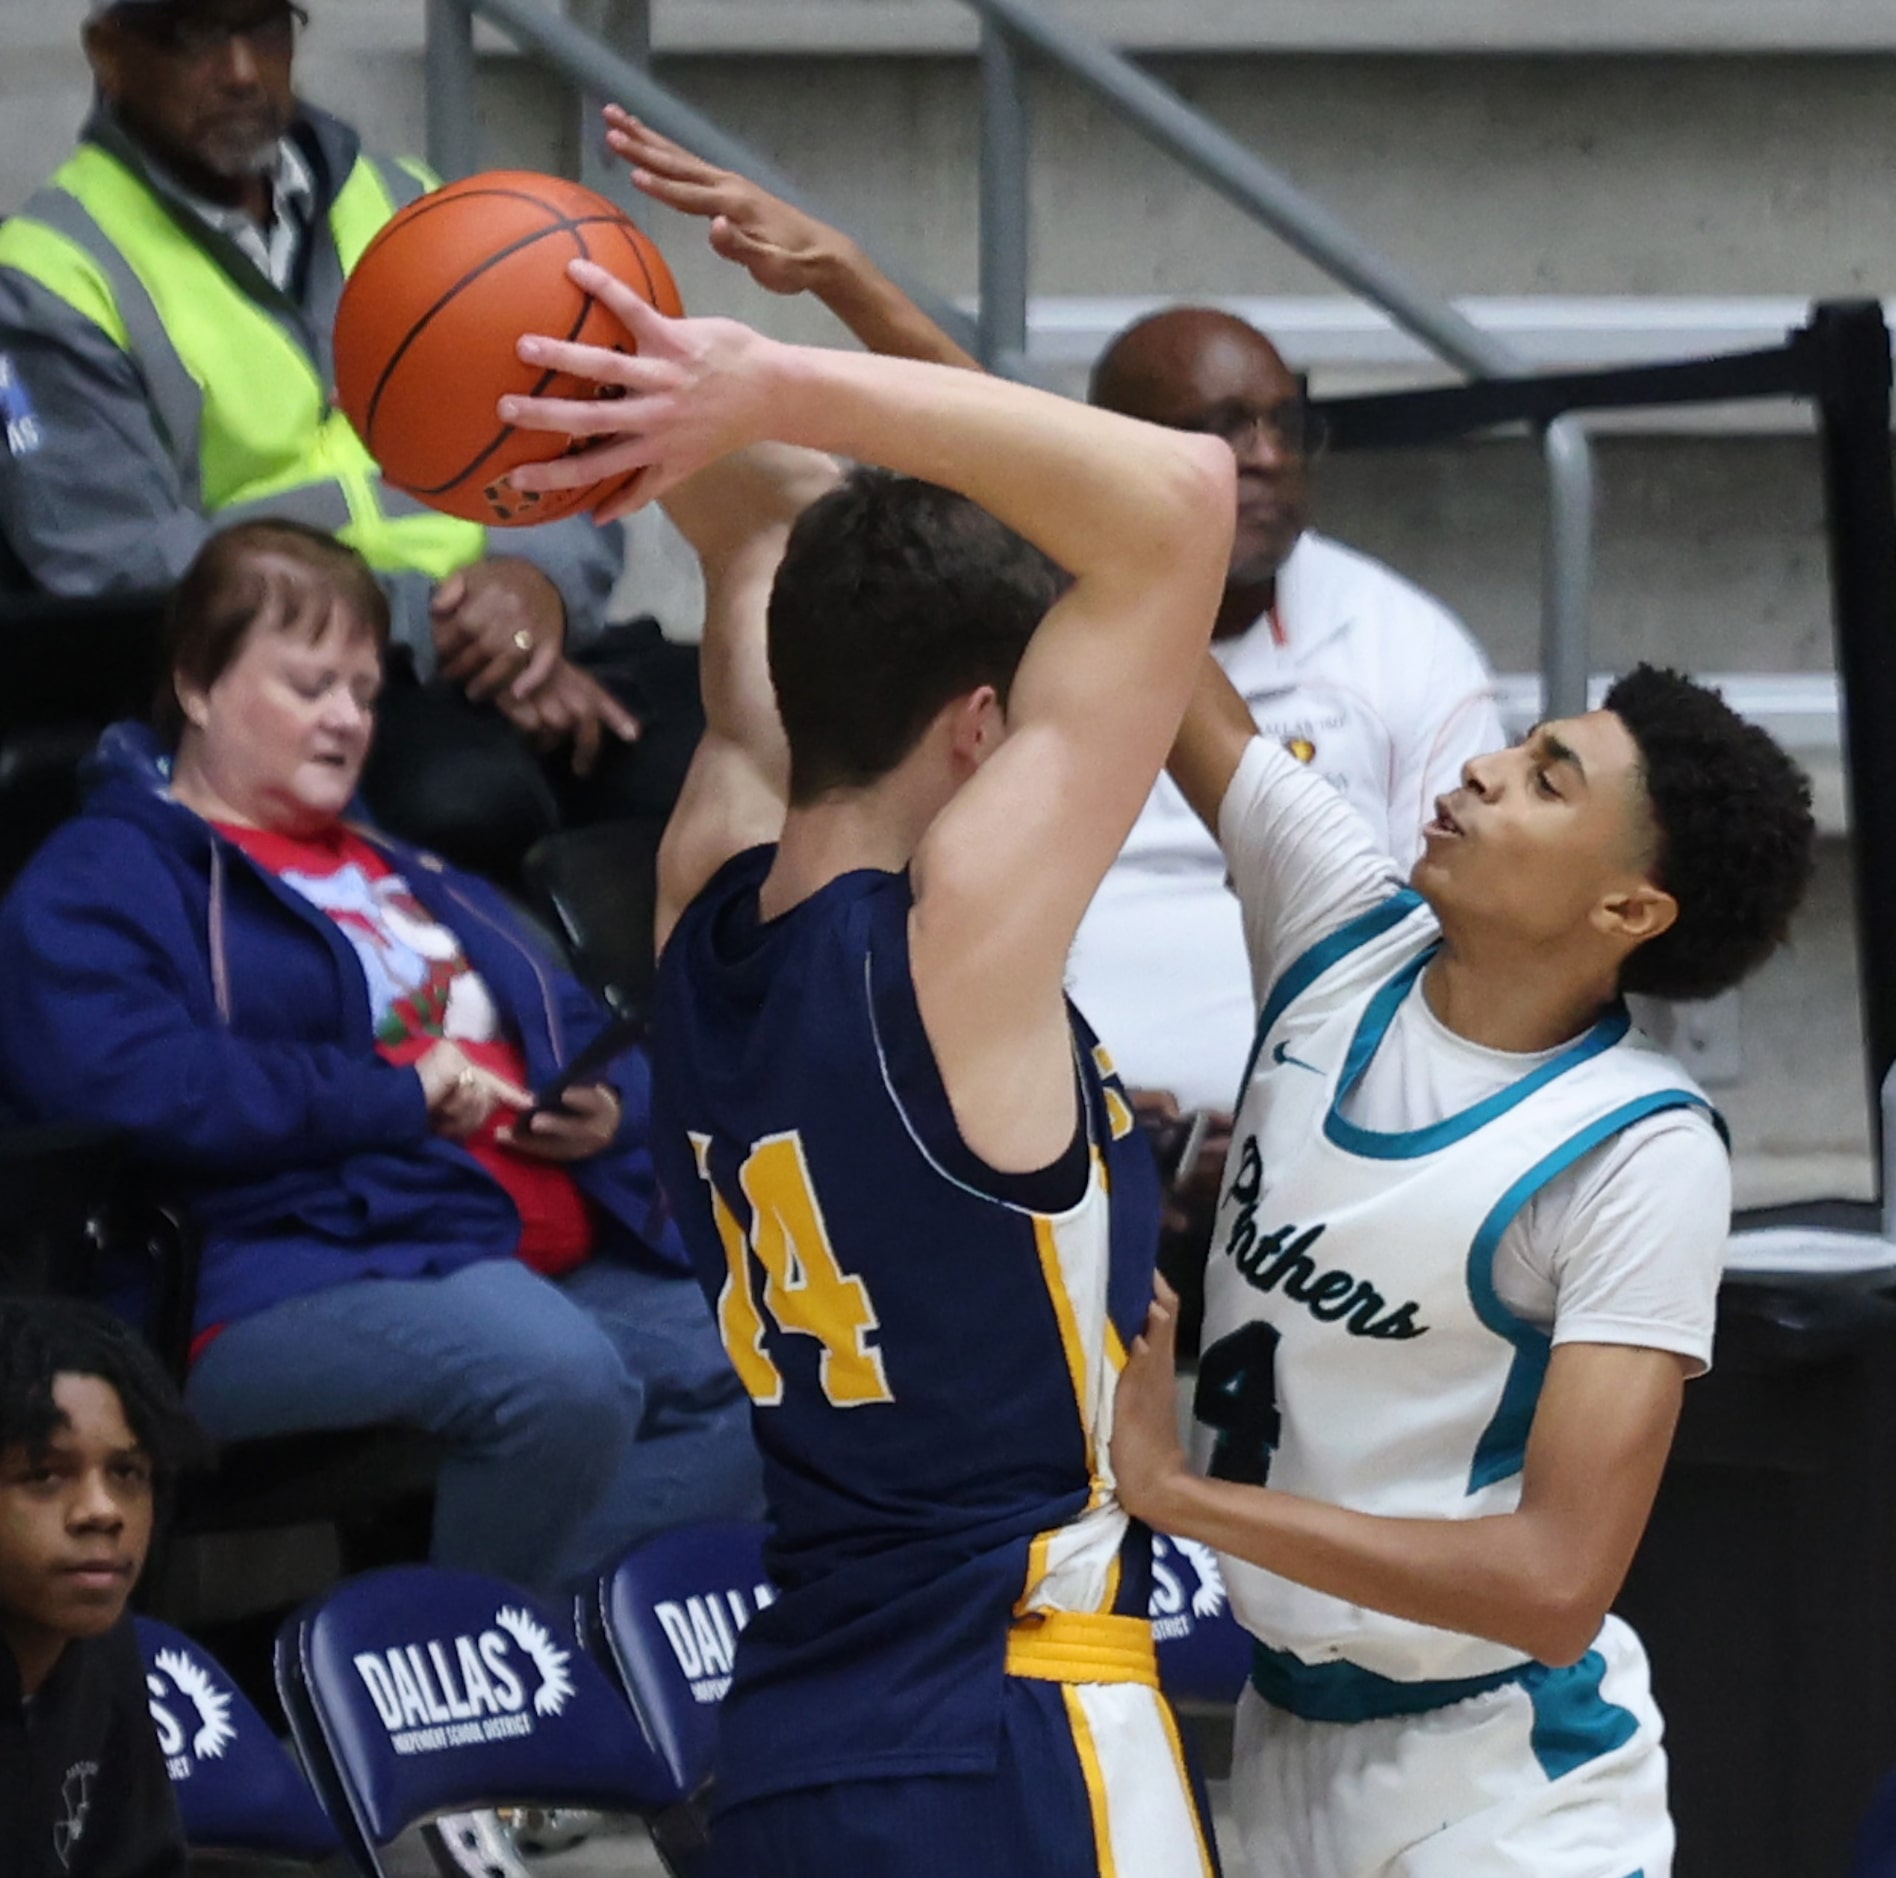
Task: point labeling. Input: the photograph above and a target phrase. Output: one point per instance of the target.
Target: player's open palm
(1146, 1452)
(780, 247)
(687, 392)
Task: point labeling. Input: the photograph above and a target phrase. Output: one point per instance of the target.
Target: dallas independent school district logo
(1168, 1609)
(175, 1674)
(1301, 748)
(458, 1692)
(702, 1631)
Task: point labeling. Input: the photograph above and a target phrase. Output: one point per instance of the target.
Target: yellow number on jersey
(805, 1289)
(1118, 1109)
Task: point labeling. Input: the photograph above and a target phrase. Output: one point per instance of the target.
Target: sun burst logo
(1209, 1599)
(215, 1731)
(536, 1641)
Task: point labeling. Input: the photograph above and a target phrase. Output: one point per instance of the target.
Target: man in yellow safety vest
(166, 306)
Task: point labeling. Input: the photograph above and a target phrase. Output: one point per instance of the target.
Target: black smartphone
(589, 1065)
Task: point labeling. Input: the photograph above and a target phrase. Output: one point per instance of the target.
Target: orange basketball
(426, 330)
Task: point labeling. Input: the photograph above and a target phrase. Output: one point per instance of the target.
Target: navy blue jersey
(930, 1345)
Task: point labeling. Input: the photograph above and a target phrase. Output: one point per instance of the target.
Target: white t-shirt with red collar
(1380, 690)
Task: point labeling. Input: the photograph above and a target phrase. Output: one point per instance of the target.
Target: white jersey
(1356, 1351)
(1380, 691)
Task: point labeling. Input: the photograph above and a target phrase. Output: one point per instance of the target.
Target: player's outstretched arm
(1212, 737)
(1540, 1579)
(784, 249)
(737, 515)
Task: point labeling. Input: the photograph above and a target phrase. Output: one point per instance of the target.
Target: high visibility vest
(241, 402)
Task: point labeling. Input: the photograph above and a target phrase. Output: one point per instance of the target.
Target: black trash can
(1765, 1589)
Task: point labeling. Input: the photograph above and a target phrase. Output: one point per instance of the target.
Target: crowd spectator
(166, 306)
(90, 1434)
(1356, 672)
(322, 1039)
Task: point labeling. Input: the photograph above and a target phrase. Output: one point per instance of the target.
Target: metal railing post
(454, 113)
(1566, 568)
(1006, 155)
(569, 49)
(625, 26)
(1268, 196)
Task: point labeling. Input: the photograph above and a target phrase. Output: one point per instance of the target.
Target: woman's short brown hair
(225, 592)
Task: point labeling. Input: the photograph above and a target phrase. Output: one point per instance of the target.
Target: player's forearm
(737, 514)
(1521, 1579)
(1111, 500)
(880, 314)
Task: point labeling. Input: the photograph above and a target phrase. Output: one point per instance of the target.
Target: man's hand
(781, 248)
(689, 392)
(583, 1125)
(1148, 1458)
(499, 627)
(570, 705)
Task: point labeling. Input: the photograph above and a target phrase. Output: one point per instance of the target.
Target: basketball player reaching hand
(907, 1174)
(1467, 1254)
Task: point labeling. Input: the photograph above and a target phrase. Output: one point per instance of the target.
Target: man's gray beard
(256, 160)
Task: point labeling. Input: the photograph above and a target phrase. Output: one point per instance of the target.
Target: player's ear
(978, 725)
(1636, 912)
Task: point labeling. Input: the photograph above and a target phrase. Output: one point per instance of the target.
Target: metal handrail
(1011, 29)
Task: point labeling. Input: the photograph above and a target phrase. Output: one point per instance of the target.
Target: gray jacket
(94, 497)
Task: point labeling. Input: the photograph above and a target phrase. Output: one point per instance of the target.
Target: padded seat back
(1204, 1652)
(667, 1620)
(416, 1691)
(237, 1790)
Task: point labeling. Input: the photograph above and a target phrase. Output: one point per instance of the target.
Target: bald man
(1356, 672)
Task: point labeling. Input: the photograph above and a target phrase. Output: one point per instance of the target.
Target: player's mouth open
(1444, 823)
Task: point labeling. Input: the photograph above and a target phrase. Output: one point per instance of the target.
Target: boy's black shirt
(83, 1789)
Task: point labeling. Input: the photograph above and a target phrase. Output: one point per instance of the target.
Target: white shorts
(1564, 1779)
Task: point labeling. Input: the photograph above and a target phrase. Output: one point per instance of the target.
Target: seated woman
(323, 1039)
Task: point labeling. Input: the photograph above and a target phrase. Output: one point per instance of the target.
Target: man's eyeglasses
(1291, 425)
(194, 39)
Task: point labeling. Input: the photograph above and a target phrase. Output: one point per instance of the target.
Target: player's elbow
(1204, 492)
(1561, 1618)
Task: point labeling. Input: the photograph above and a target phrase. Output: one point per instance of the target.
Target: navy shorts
(1092, 1779)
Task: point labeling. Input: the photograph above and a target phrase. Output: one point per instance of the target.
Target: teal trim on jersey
(1413, 1143)
(1309, 965)
(1503, 1445)
(1345, 1692)
(1573, 1722)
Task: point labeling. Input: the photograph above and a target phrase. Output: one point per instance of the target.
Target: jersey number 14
(804, 1290)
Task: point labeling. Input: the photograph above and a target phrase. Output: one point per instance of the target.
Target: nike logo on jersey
(1281, 1261)
(1280, 1054)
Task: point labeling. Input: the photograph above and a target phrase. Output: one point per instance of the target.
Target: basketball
(427, 325)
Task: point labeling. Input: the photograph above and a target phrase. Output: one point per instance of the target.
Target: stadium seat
(1204, 1653)
(597, 888)
(1875, 1855)
(237, 1790)
(414, 1692)
(666, 1623)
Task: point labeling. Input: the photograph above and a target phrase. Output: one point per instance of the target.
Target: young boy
(90, 1432)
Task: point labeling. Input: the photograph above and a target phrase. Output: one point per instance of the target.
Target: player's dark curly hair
(1735, 834)
(42, 1338)
(894, 597)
